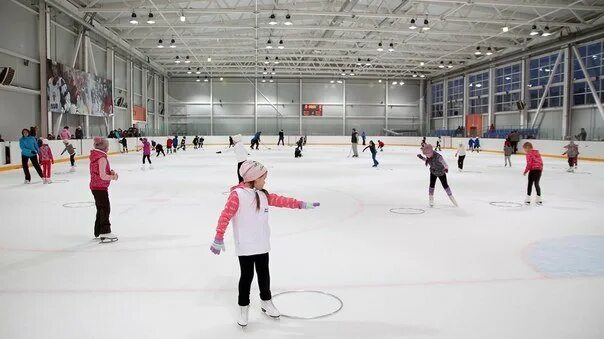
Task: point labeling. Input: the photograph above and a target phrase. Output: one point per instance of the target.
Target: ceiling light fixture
(272, 20)
(401, 82)
(395, 82)
(198, 71)
(505, 29)
(281, 44)
(489, 51)
(359, 62)
(351, 72)
(182, 17)
(450, 65)
(269, 44)
(209, 59)
(415, 75)
(422, 75)
(189, 71)
(426, 27)
(160, 43)
(276, 60)
(172, 43)
(271, 79)
(205, 79)
(546, 31)
(340, 81)
(534, 31)
(177, 60)
(266, 62)
(197, 80)
(150, 19)
(265, 72)
(391, 48)
(288, 21)
(332, 81)
(422, 63)
(380, 49)
(368, 63)
(221, 78)
(343, 73)
(478, 52)
(442, 64)
(133, 19)
(412, 24)
(187, 60)
(263, 79)
(273, 72)
(380, 81)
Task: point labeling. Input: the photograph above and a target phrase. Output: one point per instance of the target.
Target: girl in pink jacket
(248, 206)
(534, 168)
(146, 153)
(101, 175)
(46, 159)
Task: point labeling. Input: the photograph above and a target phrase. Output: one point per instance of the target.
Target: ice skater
(200, 142)
(300, 143)
(72, 153)
(169, 146)
(175, 143)
(354, 141)
(381, 145)
(438, 148)
(101, 175)
(240, 153)
(248, 207)
(183, 143)
(46, 160)
(461, 156)
(477, 144)
(195, 141)
(281, 138)
(423, 143)
(146, 153)
(159, 149)
(471, 144)
(572, 152)
(363, 137)
(124, 143)
(298, 152)
(438, 170)
(508, 149)
(256, 140)
(231, 142)
(29, 152)
(373, 151)
(534, 169)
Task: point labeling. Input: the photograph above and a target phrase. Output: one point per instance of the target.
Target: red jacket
(169, 143)
(96, 182)
(533, 161)
(380, 144)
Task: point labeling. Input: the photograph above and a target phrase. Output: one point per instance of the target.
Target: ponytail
(257, 196)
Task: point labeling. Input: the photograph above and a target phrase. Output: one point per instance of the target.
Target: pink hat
(251, 170)
(428, 150)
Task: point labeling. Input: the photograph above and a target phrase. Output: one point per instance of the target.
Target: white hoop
(407, 210)
(505, 204)
(79, 204)
(312, 291)
(59, 181)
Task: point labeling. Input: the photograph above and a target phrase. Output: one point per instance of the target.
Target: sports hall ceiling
(323, 39)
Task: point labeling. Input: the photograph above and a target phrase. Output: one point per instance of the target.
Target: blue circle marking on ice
(573, 256)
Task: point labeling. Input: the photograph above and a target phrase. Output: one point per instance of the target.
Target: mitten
(217, 246)
(446, 170)
(420, 156)
(308, 206)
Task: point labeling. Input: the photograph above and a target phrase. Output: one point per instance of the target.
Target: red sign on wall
(312, 110)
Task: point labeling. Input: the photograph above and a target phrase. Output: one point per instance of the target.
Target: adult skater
(572, 152)
(247, 206)
(508, 149)
(200, 142)
(438, 170)
(175, 143)
(381, 145)
(169, 143)
(256, 140)
(423, 143)
(300, 143)
(438, 141)
(582, 136)
(46, 161)
(281, 138)
(124, 143)
(71, 151)
(195, 141)
(29, 152)
(101, 175)
(159, 149)
(514, 139)
(461, 156)
(471, 144)
(363, 137)
(534, 168)
(373, 151)
(231, 142)
(240, 153)
(146, 153)
(79, 134)
(354, 140)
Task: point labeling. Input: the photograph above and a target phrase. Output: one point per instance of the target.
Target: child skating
(231, 142)
(146, 153)
(159, 149)
(248, 208)
(477, 144)
(461, 156)
(169, 146)
(381, 145)
(438, 148)
(183, 143)
(298, 152)
(471, 144)
(572, 152)
(46, 161)
(71, 151)
(373, 151)
(438, 170)
(195, 141)
(534, 168)
(101, 175)
(507, 152)
(175, 143)
(124, 143)
(200, 142)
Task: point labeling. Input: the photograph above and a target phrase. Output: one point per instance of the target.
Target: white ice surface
(448, 273)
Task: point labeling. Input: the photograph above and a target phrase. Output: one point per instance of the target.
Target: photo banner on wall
(312, 110)
(140, 113)
(76, 92)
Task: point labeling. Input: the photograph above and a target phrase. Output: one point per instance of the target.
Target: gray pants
(355, 151)
(508, 160)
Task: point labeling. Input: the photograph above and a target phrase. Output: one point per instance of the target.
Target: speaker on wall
(7, 75)
(520, 105)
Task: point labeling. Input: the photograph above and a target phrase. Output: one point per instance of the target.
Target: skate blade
(277, 317)
(107, 240)
(242, 326)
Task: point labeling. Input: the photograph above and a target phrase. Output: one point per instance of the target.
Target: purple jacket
(146, 148)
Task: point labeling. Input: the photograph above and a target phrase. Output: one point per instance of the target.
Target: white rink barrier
(82, 146)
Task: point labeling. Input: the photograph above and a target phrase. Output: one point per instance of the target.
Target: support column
(300, 106)
(145, 97)
(156, 103)
(130, 84)
(524, 76)
(386, 100)
(422, 106)
(43, 47)
(212, 105)
(344, 107)
(491, 106)
(445, 123)
(256, 105)
(592, 89)
(566, 102)
(428, 122)
(111, 77)
(85, 53)
(466, 100)
(166, 110)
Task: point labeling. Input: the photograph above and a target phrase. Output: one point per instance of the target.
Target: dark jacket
(354, 138)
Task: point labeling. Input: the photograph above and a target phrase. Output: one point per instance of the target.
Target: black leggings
(246, 263)
(72, 159)
(148, 157)
(25, 163)
(160, 151)
(534, 177)
(238, 174)
(281, 141)
(442, 178)
(103, 209)
(460, 160)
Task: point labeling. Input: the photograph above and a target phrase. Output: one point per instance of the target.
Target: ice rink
(477, 271)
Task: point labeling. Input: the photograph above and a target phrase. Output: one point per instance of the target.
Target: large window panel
(455, 97)
(507, 91)
(591, 54)
(540, 70)
(478, 96)
(437, 100)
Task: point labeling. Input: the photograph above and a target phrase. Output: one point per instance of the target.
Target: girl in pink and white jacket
(248, 206)
(101, 176)
(146, 153)
(46, 159)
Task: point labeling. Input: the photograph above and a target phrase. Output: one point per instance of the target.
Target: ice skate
(26, 182)
(150, 167)
(72, 169)
(269, 309)
(570, 170)
(243, 313)
(539, 201)
(527, 200)
(48, 181)
(452, 198)
(107, 238)
(143, 168)
(431, 201)
(44, 181)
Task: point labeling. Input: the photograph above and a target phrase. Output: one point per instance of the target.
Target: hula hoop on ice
(407, 210)
(79, 204)
(340, 306)
(505, 204)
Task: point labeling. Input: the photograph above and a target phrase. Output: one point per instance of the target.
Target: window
(507, 87)
(455, 97)
(479, 93)
(592, 55)
(540, 70)
(437, 100)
